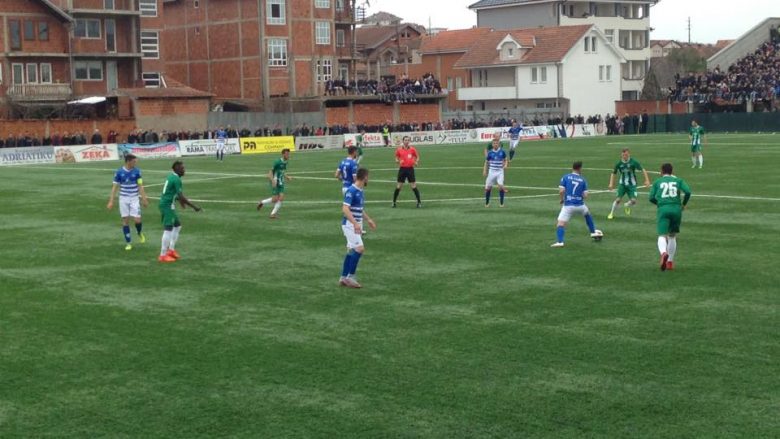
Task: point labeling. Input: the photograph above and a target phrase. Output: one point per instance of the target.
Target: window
(534, 75)
(322, 3)
(601, 73)
(275, 12)
(610, 33)
(609, 73)
(322, 32)
(43, 31)
(111, 35)
(340, 38)
(29, 30)
(483, 78)
(15, 31)
(150, 44)
(339, 5)
(45, 73)
(277, 52)
(88, 70)
(196, 4)
(324, 70)
(151, 79)
(543, 71)
(87, 28)
(109, 4)
(32, 73)
(587, 44)
(343, 72)
(148, 8)
(593, 44)
(18, 73)
(511, 52)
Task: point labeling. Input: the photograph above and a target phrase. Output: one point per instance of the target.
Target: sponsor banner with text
(207, 147)
(529, 133)
(86, 153)
(455, 137)
(264, 145)
(415, 138)
(369, 140)
(318, 142)
(151, 151)
(30, 155)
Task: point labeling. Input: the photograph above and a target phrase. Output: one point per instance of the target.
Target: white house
(571, 68)
(625, 23)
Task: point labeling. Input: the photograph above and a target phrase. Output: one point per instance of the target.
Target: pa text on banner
(150, 151)
(30, 155)
(264, 145)
(86, 153)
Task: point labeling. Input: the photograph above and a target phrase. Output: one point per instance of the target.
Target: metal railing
(39, 91)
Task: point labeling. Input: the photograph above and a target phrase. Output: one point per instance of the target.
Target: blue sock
(487, 195)
(560, 232)
(511, 154)
(347, 264)
(139, 228)
(126, 231)
(589, 220)
(355, 259)
(501, 196)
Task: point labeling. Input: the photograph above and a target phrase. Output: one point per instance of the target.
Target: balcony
(487, 93)
(39, 92)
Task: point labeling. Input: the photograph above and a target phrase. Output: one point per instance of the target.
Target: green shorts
(669, 219)
(278, 190)
(169, 216)
(695, 148)
(623, 189)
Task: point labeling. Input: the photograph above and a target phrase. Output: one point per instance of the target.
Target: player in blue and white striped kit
(574, 191)
(129, 184)
(347, 169)
(514, 138)
(352, 227)
(221, 136)
(493, 170)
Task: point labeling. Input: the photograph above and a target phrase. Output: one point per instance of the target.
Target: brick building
(57, 50)
(383, 47)
(254, 50)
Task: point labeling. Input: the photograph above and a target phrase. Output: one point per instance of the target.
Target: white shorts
(130, 207)
(568, 211)
(221, 145)
(494, 178)
(354, 240)
(344, 191)
(513, 143)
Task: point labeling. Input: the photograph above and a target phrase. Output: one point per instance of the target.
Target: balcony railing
(39, 92)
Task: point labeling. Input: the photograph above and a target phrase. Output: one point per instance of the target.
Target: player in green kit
(626, 167)
(360, 139)
(697, 136)
(277, 176)
(172, 192)
(665, 194)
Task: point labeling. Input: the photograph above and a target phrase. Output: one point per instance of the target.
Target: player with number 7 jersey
(667, 193)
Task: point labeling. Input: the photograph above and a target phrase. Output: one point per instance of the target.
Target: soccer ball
(597, 236)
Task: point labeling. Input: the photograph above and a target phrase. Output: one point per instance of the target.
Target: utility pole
(689, 30)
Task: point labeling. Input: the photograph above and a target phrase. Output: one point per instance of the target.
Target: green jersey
(667, 192)
(627, 171)
(359, 140)
(279, 169)
(696, 134)
(171, 191)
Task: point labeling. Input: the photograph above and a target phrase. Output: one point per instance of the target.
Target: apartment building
(626, 24)
(255, 50)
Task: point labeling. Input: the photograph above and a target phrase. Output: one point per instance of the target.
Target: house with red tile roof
(571, 68)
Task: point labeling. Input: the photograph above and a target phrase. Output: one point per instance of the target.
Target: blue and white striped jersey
(514, 132)
(496, 159)
(221, 135)
(128, 181)
(354, 199)
(348, 169)
(574, 187)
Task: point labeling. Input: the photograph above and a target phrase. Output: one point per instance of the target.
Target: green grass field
(469, 325)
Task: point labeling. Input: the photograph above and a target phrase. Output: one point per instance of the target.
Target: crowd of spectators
(57, 139)
(405, 90)
(753, 78)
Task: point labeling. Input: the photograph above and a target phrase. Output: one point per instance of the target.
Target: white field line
(231, 175)
(688, 144)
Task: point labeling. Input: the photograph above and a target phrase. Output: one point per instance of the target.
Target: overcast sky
(709, 21)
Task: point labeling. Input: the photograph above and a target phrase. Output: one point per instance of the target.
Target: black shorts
(406, 174)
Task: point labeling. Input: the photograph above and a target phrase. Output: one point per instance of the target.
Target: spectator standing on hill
(96, 139)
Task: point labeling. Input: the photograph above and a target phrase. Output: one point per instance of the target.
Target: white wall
(581, 85)
(528, 90)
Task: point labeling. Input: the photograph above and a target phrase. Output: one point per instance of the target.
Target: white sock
(174, 237)
(662, 244)
(267, 201)
(701, 161)
(166, 242)
(614, 206)
(694, 159)
(672, 247)
(277, 206)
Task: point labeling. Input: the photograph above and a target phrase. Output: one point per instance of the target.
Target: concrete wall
(528, 90)
(745, 45)
(518, 17)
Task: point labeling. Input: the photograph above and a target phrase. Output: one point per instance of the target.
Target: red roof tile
(452, 40)
(552, 44)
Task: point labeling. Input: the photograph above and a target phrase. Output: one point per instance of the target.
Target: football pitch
(468, 325)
